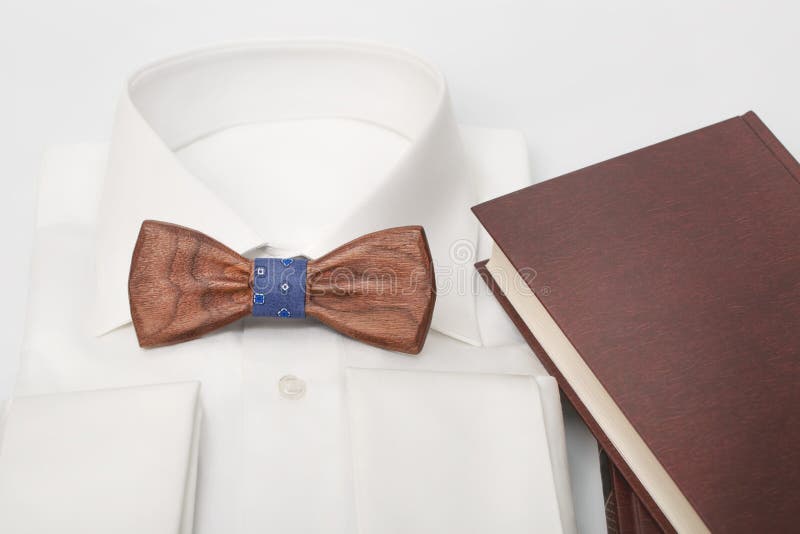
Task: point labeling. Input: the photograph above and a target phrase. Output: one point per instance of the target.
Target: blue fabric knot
(279, 287)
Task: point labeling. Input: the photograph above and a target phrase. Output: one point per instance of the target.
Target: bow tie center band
(378, 288)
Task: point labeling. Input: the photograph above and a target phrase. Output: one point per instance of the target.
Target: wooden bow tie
(379, 288)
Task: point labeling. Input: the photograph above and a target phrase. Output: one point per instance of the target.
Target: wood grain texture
(675, 272)
(184, 284)
(379, 288)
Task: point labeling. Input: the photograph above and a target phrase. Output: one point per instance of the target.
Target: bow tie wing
(183, 284)
(379, 288)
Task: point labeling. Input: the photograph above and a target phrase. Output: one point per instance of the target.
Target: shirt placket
(295, 454)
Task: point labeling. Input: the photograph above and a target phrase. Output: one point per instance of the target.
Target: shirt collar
(181, 99)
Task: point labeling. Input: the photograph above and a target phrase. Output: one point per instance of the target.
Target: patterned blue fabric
(279, 287)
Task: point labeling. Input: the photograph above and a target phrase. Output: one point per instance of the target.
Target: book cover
(667, 284)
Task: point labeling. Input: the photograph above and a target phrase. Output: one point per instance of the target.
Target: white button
(291, 387)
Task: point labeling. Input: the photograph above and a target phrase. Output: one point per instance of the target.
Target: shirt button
(291, 387)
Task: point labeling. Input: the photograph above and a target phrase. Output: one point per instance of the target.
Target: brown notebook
(662, 289)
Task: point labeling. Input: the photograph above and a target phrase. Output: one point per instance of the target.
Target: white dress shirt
(120, 460)
(287, 148)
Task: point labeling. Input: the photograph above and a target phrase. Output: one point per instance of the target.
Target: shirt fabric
(292, 148)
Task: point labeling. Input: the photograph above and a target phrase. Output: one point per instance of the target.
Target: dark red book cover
(674, 271)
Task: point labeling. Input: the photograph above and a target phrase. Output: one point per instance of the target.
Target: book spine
(632, 516)
(773, 144)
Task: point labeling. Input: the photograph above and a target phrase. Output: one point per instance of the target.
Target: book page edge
(599, 403)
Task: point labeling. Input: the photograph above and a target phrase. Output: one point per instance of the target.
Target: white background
(583, 81)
